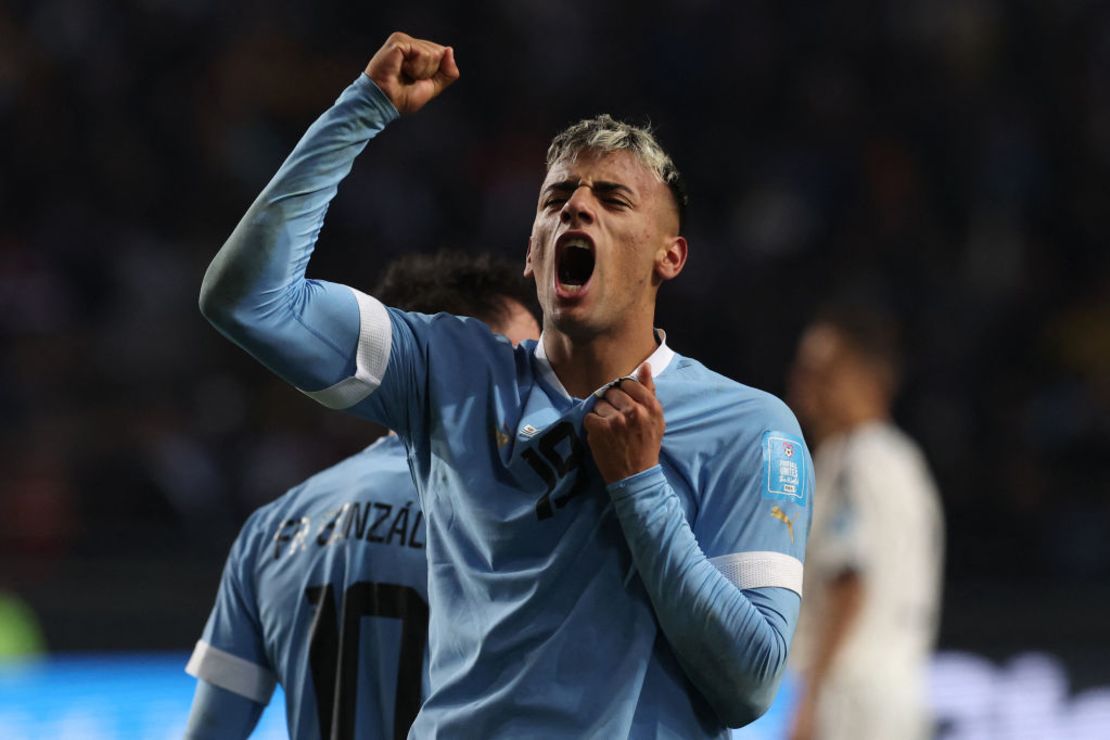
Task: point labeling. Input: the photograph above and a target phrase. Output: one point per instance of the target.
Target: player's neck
(584, 365)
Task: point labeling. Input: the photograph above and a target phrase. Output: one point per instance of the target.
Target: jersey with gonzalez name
(325, 591)
(539, 620)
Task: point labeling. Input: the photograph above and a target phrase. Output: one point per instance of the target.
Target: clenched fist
(625, 428)
(412, 71)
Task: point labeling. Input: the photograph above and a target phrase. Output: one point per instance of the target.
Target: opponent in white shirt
(873, 570)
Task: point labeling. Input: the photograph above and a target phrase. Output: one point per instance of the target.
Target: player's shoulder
(884, 439)
(468, 346)
(387, 453)
(884, 452)
(704, 396)
(467, 331)
(383, 461)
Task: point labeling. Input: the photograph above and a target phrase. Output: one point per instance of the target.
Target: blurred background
(948, 158)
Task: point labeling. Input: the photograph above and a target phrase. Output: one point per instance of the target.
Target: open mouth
(574, 263)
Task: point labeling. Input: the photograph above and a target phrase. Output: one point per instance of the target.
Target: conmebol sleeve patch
(786, 472)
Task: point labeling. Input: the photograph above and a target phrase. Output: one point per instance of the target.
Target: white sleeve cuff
(231, 672)
(375, 338)
(761, 570)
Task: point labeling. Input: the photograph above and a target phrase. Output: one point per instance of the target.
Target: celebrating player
(615, 533)
(345, 545)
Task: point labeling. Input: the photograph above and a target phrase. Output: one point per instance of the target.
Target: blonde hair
(605, 134)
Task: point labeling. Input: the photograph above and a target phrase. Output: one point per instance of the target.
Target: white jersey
(876, 513)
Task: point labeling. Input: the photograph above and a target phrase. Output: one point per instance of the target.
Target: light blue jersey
(325, 591)
(659, 606)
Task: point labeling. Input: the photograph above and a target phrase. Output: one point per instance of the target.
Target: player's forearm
(219, 714)
(255, 291)
(731, 643)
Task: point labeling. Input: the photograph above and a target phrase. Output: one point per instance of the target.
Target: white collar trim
(658, 360)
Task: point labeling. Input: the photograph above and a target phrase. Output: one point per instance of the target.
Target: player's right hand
(412, 71)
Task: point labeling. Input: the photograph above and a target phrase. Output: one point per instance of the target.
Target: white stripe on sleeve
(761, 570)
(375, 338)
(231, 672)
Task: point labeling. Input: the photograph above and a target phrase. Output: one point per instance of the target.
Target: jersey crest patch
(785, 470)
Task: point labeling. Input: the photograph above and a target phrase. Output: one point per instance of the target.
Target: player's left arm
(230, 662)
(219, 714)
(729, 618)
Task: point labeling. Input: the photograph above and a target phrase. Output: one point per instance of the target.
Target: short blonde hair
(605, 134)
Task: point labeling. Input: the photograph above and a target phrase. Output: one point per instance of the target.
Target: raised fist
(412, 71)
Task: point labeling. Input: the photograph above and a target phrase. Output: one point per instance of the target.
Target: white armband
(375, 338)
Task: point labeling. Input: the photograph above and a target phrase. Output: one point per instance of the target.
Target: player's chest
(543, 472)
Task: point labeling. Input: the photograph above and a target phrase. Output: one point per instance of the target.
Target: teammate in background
(310, 572)
(873, 571)
(615, 533)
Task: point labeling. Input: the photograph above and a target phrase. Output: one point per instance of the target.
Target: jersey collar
(658, 361)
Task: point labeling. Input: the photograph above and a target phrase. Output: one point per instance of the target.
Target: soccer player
(615, 533)
(325, 590)
(873, 573)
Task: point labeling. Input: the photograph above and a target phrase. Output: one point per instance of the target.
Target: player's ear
(670, 259)
(528, 272)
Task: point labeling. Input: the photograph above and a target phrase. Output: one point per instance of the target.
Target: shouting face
(605, 237)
